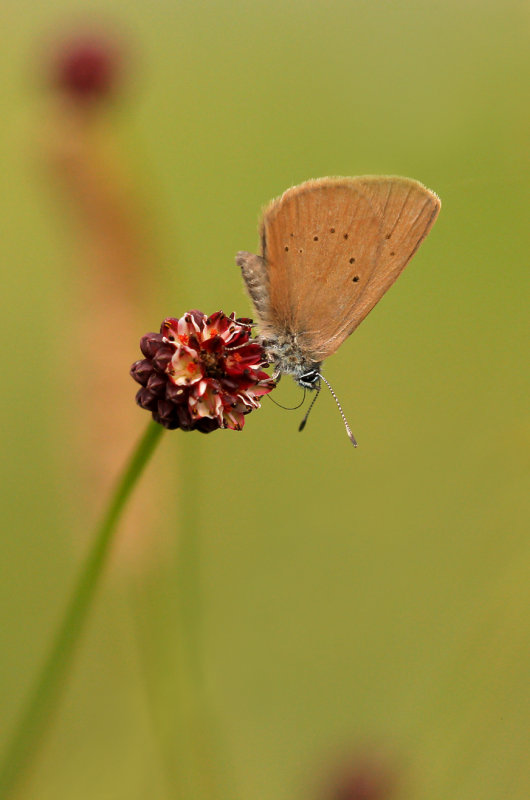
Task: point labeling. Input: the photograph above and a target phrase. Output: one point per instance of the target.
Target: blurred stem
(45, 695)
(192, 751)
(188, 567)
(207, 748)
(179, 715)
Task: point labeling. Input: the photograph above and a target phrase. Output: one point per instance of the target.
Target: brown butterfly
(330, 249)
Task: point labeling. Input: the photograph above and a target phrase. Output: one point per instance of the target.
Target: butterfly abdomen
(254, 272)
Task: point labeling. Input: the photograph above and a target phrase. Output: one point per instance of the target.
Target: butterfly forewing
(317, 245)
(407, 211)
(333, 247)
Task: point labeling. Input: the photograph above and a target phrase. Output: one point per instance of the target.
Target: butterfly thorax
(285, 353)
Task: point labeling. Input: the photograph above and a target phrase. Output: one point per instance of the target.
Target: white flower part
(205, 402)
(248, 399)
(186, 327)
(184, 368)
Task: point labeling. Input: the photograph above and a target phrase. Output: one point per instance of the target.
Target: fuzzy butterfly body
(330, 249)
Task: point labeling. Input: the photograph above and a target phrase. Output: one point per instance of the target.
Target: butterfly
(330, 249)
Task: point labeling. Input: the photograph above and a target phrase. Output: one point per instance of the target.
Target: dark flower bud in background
(87, 66)
(201, 373)
(368, 775)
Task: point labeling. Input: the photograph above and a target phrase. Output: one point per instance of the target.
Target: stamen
(238, 346)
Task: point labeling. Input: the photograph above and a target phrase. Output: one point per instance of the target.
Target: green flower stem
(44, 697)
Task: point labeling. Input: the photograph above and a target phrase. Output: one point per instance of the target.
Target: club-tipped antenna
(348, 429)
(302, 424)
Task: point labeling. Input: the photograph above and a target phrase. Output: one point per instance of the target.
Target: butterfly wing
(331, 248)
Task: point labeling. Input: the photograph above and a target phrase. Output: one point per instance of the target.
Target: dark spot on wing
(315, 238)
(355, 278)
(393, 253)
(345, 235)
(352, 260)
(332, 230)
(286, 248)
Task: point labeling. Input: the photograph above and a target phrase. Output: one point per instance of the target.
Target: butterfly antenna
(348, 429)
(302, 424)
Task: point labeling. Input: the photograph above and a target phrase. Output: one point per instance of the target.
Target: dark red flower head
(201, 373)
(366, 775)
(87, 66)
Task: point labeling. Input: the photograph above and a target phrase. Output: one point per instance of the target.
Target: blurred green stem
(206, 748)
(45, 695)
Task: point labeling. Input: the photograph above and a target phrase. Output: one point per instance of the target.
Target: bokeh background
(285, 609)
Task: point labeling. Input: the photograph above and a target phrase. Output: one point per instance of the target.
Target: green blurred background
(371, 601)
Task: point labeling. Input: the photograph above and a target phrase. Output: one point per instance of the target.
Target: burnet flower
(87, 66)
(201, 373)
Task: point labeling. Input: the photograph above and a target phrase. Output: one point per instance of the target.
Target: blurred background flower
(367, 774)
(85, 65)
(379, 593)
(113, 261)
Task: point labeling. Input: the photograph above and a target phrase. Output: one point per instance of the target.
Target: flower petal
(185, 368)
(233, 419)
